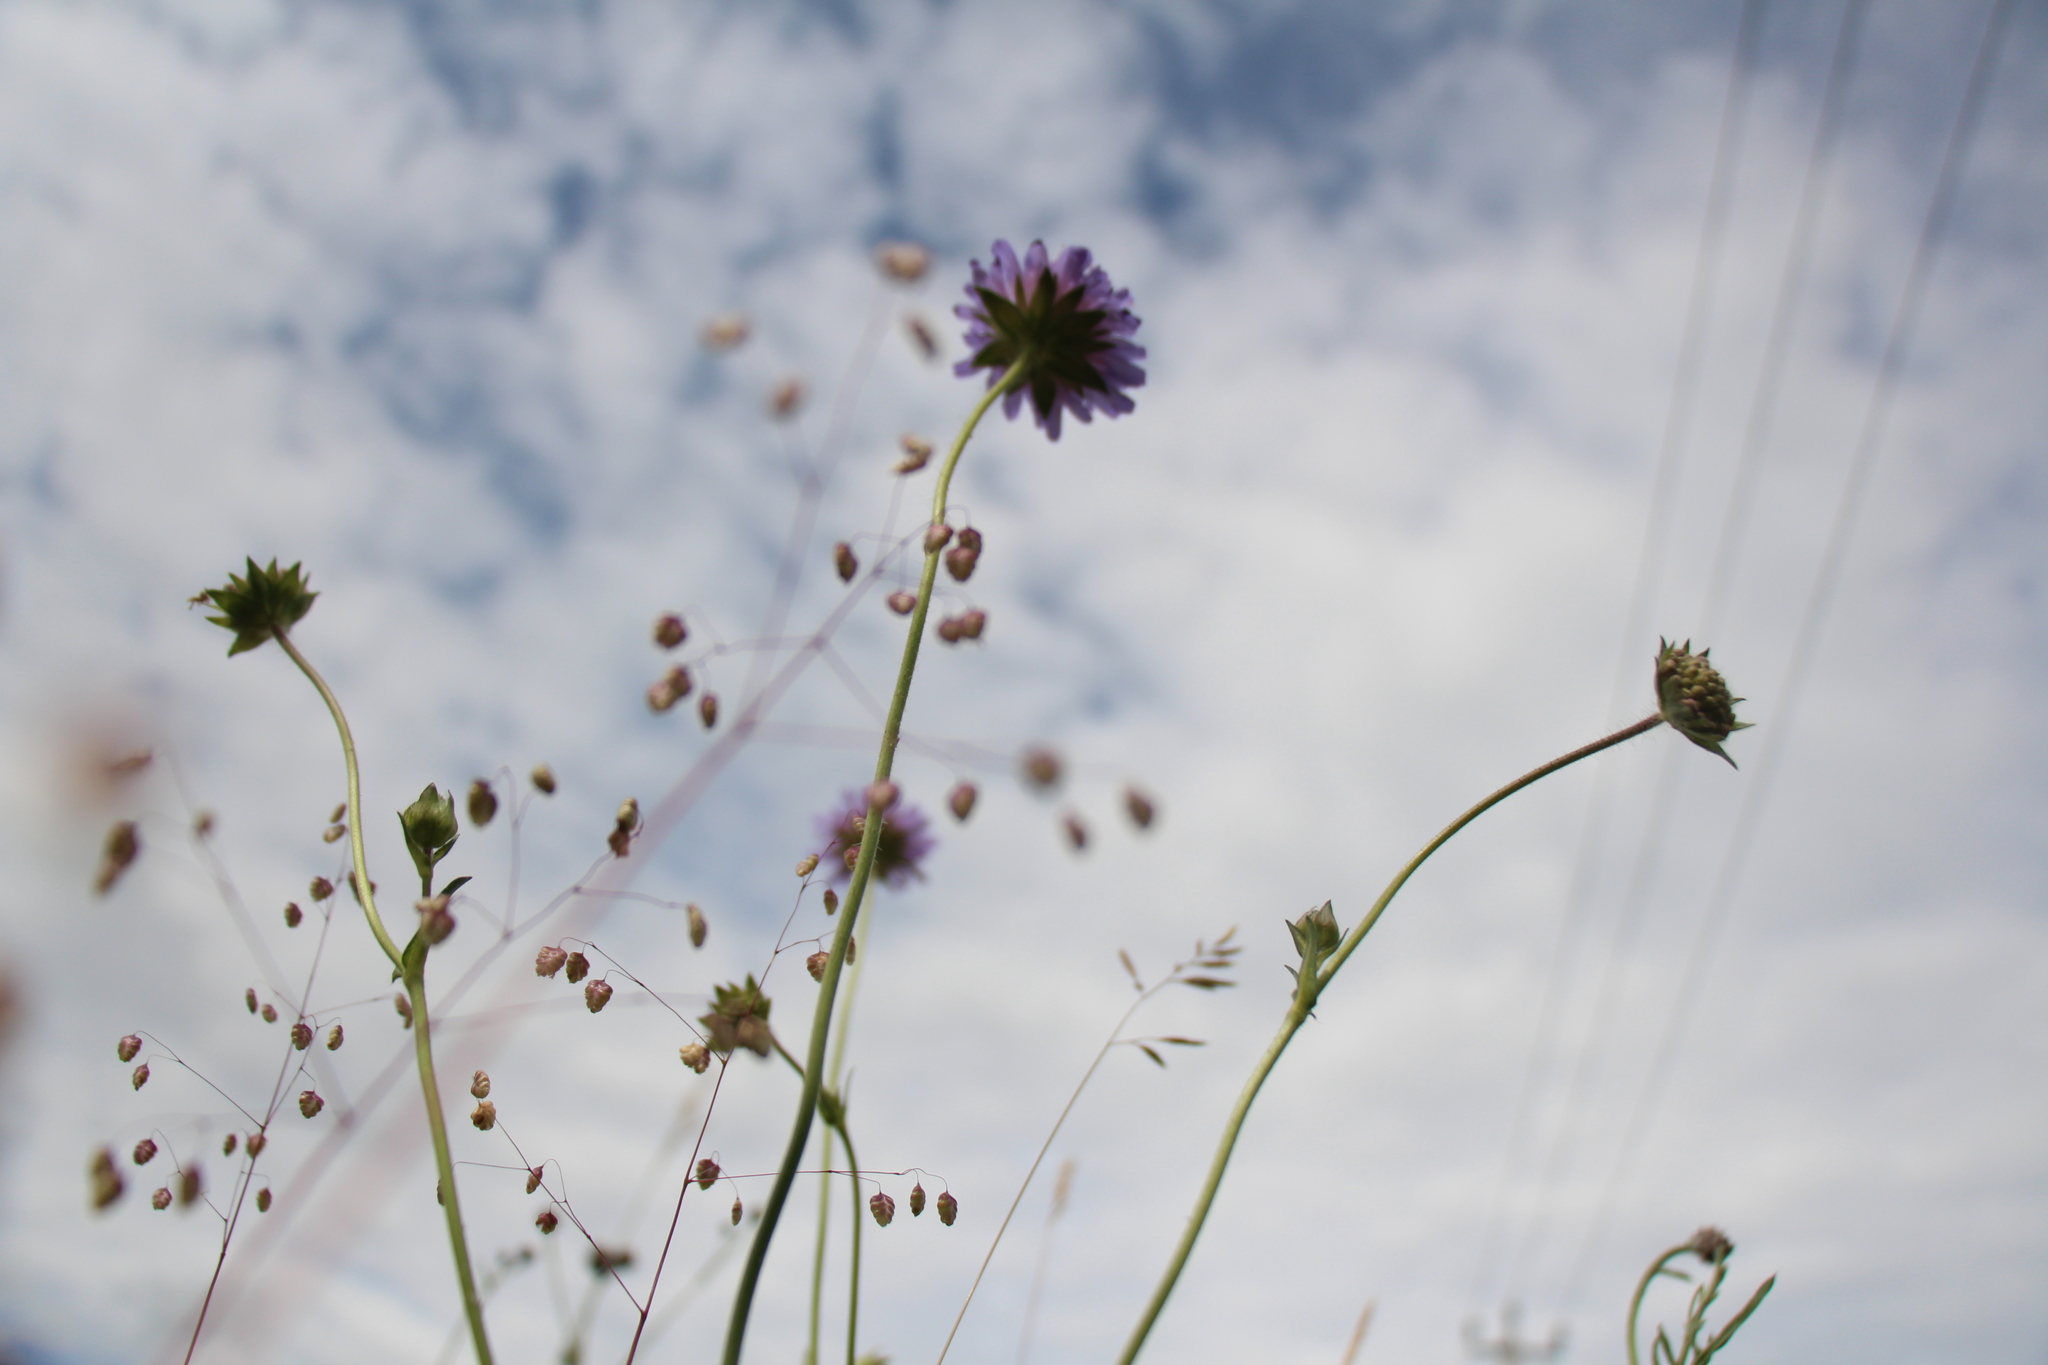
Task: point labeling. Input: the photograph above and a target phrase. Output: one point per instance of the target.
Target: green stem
(414, 976)
(1635, 1304)
(821, 1013)
(853, 1287)
(825, 1157)
(1304, 1001)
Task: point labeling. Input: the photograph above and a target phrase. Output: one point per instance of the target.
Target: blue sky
(413, 293)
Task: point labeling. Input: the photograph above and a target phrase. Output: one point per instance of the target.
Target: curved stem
(821, 1014)
(1635, 1304)
(414, 975)
(1298, 1011)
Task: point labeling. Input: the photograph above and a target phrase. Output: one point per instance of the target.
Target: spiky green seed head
(265, 602)
(1693, 697)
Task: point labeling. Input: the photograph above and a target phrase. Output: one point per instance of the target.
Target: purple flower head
(906, 840)
(1066, 321)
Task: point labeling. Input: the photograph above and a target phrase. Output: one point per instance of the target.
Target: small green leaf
(455, 885)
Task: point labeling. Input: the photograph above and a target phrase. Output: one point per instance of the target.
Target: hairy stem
(1304, 1001)
(821, 1014)
(414, 974)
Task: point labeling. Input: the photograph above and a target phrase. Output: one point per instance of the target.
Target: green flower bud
(430, 832)
(267, 602)
(738, 1018)
(1693, 697)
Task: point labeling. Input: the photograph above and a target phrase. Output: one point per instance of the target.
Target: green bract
(268, 601)
(429, 825)
(1693, 697)
(738, 1018)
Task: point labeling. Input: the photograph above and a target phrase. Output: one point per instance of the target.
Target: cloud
(413, 294)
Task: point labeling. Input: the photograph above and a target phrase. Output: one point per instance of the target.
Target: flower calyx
(738, 1018)
(1693, 697)
(263, 602)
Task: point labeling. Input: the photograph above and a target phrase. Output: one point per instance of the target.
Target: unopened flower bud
(883, 1207)
(436, 923)
(815, 965)
(484, 1116)
(806, 865)
(707, 709)
(579, 967)
(107, 1181)
(292, 914)
(269, 1013)
(334, 1039)
(263, 1200)
(727, 330)
(904, 262)
(972, 622)
(543, 779)
(921, 336)
(970, 539)
(1711, 1244)
(340, 809)
(145, 1151)
(1042, 768)
(917, 1200)
(533, 1180)
(917, 453)
(902, 603)
(851, 857)
(320, 889)
(960, 562)
(948, 1207)
(960, 800)
(124, 842)
(310, 1103)
(546, 1222)
(629, 814)
(128, 1047)
(160, 1198)
(669, 631)
(302, 1035)
(670, 688)
(707, 1173)
(884, 794)
(1076, 832)
(950, 630)
(831, 907)
(249, 999)
(1139, 807)
(786, 398)
(548, 961)
(404, 1008)
(699, 926)
(844, 562)
(256, 1143)
(227, 1144)
(935, 537)
(483, 803)
(1693, 697)
(191, 1181)
(596, 994)
(480, 1085)
(695, 1056)
(333, 834)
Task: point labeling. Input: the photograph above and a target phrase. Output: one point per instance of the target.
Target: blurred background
(1488, 342)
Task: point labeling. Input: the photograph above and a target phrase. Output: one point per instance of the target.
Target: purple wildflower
(1066, 320)
(906, 839)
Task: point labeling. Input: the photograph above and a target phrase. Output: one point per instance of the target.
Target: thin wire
(1649, 571)
(1798, 670)
(1763, 404)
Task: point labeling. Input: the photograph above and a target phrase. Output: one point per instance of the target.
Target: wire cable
(1799, 668)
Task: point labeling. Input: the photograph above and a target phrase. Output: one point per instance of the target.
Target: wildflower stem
(821, 1013)
(825, 1161)
(1304, 1001)
(1635, 1304)
(853, 1278)
(414, 975)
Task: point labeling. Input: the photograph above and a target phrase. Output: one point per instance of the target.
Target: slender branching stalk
(821, 1014)
(414, 975)
(1312, 979)
(1710, 1246)
(853, 1277)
